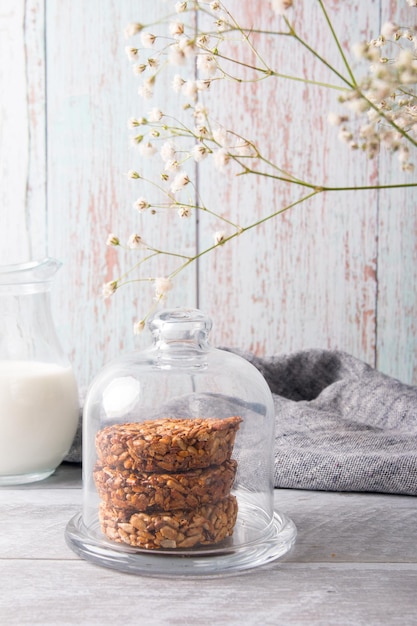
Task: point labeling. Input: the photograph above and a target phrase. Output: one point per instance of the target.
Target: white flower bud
(112, 240)
(138, 327)
(162, 286)
(109, 288)
(135, 241)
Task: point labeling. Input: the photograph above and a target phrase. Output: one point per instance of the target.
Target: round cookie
(144, 491)
(167, 445)
(205, 525)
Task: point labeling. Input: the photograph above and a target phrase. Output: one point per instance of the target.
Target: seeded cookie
(167, 445)
(204, 525)
(145, 491)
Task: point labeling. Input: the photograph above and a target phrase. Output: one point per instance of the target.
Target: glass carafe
(178, 459)
(39, 405)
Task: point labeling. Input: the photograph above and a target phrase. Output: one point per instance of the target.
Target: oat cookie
(205, 525)
(167, 445)
(144, 491)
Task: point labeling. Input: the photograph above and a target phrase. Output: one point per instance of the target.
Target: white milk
(38, 415)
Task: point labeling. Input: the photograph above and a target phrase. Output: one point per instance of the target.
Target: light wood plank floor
(354, 563)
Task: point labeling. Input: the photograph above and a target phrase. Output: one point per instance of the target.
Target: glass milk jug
(178, 459)
(38, 392)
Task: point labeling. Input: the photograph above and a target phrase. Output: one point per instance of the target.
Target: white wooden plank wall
(338, 271)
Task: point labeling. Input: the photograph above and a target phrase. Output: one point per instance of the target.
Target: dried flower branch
(381, 111)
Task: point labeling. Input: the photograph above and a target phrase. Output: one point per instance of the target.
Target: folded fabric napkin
(340, 424)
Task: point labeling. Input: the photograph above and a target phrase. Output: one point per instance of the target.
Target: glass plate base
(274, 544)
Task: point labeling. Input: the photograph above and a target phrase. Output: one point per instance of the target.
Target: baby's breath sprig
(198, 43)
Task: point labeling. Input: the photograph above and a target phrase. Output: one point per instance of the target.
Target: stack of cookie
(166, 483)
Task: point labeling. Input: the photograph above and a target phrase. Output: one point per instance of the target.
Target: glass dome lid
(178, 459)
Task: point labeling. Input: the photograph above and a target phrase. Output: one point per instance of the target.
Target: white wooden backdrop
(336, 272)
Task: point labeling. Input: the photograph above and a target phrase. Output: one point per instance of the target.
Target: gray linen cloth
(340, 424)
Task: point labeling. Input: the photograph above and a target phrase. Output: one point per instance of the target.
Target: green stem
(138, 264)
(167, 253)
(241, 231)
(246, 37)
(285, 176)
(319, 57)
(283, 210)
(389, 121)
(337, 42)
(319, 188)
(266, 73)
(200, 205)
(370, 187)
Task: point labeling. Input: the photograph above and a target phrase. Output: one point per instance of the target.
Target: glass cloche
(178, 459)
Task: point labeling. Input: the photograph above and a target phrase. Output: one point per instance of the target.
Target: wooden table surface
(354, 563)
